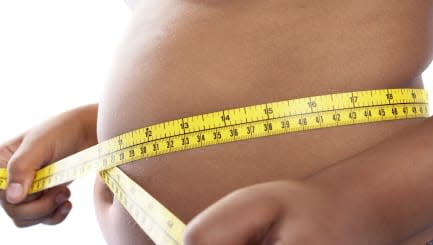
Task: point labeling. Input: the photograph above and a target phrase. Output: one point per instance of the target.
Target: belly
(181, 58)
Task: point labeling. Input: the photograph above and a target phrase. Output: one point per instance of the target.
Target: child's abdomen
(182, 58)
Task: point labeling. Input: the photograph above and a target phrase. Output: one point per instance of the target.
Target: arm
(379, 196)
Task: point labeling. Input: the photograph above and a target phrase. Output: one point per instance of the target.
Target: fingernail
(65, 210)
(14, 192)
(61, 198)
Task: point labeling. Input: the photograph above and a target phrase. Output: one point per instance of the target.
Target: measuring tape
(163, 227)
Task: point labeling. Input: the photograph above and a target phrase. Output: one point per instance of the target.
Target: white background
(55, 55)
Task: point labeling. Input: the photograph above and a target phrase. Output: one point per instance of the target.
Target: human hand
(25, 154)
(282, 213)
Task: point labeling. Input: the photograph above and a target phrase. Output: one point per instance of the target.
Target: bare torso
(188, 57)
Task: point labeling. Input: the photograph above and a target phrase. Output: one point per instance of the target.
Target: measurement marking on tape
(168, 223)
(231, 125)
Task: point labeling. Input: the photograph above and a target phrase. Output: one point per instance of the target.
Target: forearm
(88, 118)
(390, 184)
(80, 124)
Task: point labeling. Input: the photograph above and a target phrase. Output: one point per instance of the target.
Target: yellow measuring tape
(163, 227)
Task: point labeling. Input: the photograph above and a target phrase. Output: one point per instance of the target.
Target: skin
(364, 184)
(31, 151)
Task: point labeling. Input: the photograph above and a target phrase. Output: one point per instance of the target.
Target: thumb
(240, 218)
(22, 166)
